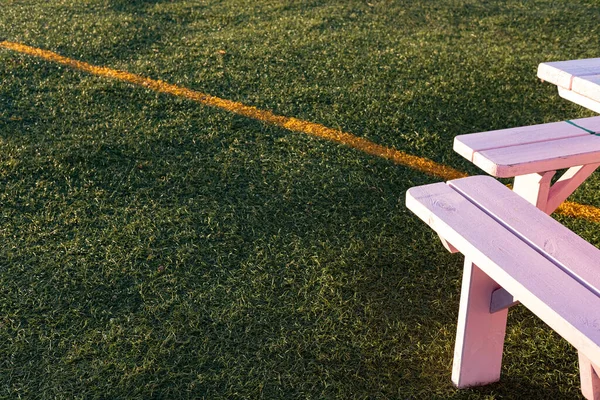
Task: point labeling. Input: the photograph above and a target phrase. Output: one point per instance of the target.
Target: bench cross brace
(501, 300)
(536, 188)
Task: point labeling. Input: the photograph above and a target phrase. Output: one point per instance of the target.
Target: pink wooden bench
(533, 155)
(513, 252)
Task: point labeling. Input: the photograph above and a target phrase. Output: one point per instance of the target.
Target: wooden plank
(567, 184)
(592, 123)
(479, 333)
(534, 188)
(567, 306)
(502, 300)
(561, 73)
(590, 382)
(539, 157)
(468, 145)
(579, 99)
(565, 248)
(588, 86)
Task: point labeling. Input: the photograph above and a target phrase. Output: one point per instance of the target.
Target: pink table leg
(480, 334)
(590, 383)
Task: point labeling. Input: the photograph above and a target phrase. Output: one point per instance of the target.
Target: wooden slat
(479, 333)
(568, 307)
(539, 157)
(468, 145)
(592, 123)
(568, 182)
(590, 382)
(578, 257)
(588, 86)
(561, 73)
(579, 99)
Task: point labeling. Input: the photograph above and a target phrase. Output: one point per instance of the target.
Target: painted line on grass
(290, 123)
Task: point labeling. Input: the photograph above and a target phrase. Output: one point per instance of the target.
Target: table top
(546, 147)
(577, 80)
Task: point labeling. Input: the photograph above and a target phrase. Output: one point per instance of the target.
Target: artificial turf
(151, 247)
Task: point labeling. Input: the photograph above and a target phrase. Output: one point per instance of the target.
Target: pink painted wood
(535, 188)
(588, 86)
(566, 185)
(473, 143)
(590, 382)
(532, 154)
(479, 333)
(537, 148)
(565, 248)
(561, 73)
(546, 267)
(539, 157)
(579, 99)
(577, 80)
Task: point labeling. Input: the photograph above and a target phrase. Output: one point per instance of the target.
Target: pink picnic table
(513, 252)
(577, 80)
(532, 155)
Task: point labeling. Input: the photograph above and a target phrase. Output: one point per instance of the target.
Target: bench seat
(506, 153)
(513, 253)
(533, 154)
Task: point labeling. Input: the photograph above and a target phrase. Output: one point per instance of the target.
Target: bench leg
(537, 189)
(566, 184)
(590, 382)
(534, 188)
(480, 334)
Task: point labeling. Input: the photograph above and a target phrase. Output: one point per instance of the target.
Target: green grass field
(152, 247)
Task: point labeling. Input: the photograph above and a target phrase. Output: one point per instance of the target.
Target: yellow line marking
(576, 210)
(290, 123)
(293, 124)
